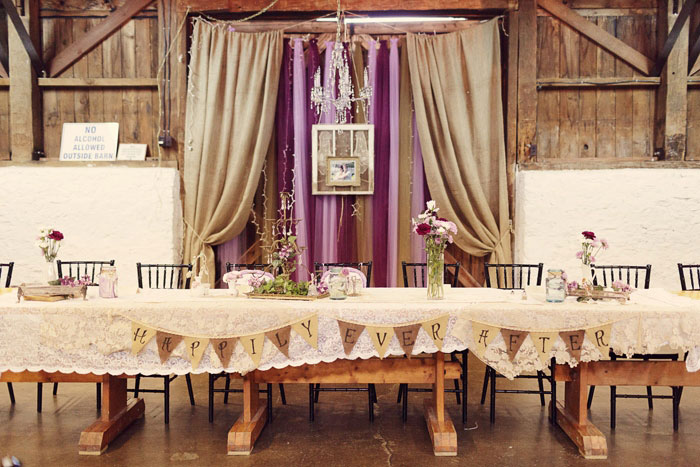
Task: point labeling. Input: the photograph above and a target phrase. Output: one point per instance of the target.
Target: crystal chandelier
(322, 99)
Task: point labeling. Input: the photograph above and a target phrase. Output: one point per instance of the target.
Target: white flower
(43, 245)
(441, 230)
(431, 205)
(422, 216)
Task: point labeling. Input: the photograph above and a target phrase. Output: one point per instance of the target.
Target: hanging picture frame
(342, 158)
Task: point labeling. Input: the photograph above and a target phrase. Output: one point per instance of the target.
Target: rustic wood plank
(65, 97)
(548, 39)
(643, 98)
(527, 77)
(4, 124)
(349, 5)
(143, 97)
(47, 377)
(155, 96)
(91, 82)
(599, 35)
(605, 105)
(106, 28)
(693, 141)
(511, 71)
(623, 96)
(96, 107)
(94, 6)
(640, 373)
(129, 131)
(80, 70)
(244, 433)
(681, 18)
(315, 27)
(442, 432)
(569, 99)
(605, 164)
(51, 126)
(588, 438)
(597, 82)
(112, 68)
(588, 70)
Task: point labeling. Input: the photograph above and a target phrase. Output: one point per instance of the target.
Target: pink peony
(604, 243)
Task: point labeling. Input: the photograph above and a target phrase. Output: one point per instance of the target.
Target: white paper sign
(89, 141)
(132, 152)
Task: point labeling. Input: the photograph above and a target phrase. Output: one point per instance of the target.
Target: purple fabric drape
(312, 118)
(326, 246)
(380, 200)
(285, 124)
(346, 231)
(392, 232)
(418, 195)
(302, 179)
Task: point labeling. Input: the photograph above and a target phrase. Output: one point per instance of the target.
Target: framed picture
(343, 171)
(342, 159)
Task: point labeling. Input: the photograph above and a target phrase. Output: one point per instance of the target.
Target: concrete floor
(342, 433)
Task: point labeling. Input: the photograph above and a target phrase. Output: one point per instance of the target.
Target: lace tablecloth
(95, 335)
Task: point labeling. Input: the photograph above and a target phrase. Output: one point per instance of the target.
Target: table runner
(95, 335)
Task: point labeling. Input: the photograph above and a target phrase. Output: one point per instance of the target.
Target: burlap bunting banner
(308, 330)
(381, 337)
(253, 344)
(194, 349)
(224, 349)
(436, 329)
(574, 342)
(407, 337)
(140, 336)
(514, 340)
(600, 337)
(484, 334)
(543, 342)
(166, 344)
(280, 337)
(349, 334)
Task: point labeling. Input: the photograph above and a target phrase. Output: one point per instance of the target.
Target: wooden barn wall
(130, 52)
(4, 124)
(693, 135)
(604, 123)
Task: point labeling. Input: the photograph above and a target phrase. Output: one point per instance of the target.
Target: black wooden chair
(8, 267)
(227, 388)
(414, 275)
(77, 269)
(637, 277)
(320, 268)
(690, 276)
(515, 277)
(163, 276)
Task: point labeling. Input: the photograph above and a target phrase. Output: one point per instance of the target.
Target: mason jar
(336, 284)
(107, 281)
(556, 287)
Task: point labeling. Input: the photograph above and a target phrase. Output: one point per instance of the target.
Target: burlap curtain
(456, 81)
(231, 97)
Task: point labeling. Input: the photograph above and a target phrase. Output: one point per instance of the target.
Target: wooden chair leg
(370, 398)
(591, 391)
(311, 402)
(650, 400)
(227, 388)
(374, 393)
(465, 374)
(553, 387)
(55, 389)
(676, 402)
(613, 406)
(166, 398)
(137, 383)
(98, 396)
(211, 398)
(398, 396)
(492, 408)
(404, 406)
(12, 393)
(453, 358)
(317, 392)
(282, 395)
(540, 383)
(39, 394)
(189, 388)
(269, 402)
(486, 386)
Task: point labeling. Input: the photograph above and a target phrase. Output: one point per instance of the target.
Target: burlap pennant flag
(308, 329)
(543, 342)
(224, 349)
(253, 344)
(460, 330)
(166, 344)
(484, 334)
(574, 342)
(407, 336)
(600, 337)
(381, 337)
(280, 337)
(349, 334)
(140, 336)
(437, 329)
(194, 349)
(514, 340)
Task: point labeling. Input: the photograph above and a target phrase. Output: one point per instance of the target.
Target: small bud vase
(51, 274)
(435, 256)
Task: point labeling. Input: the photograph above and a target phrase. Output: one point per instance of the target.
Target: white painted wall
(123, 213)
(649, 216)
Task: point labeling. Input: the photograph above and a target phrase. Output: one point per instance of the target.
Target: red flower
(422, 229)
(588, 234)
(56, 235)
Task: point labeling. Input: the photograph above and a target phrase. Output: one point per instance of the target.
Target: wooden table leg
(442, 431)
(248, 427)
(572, 416)
(117, 414)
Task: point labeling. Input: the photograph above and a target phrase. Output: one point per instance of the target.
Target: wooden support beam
(694, 55)
(25, 99)
(672, 37)
(527, 82)
(98, 83)
(3, 71)
(671, 113)
(95, 36)
(4, 54)
(511, 71)
(238, 6)
(28, 39)
(316, 27)
(601, 37)
(598, 82)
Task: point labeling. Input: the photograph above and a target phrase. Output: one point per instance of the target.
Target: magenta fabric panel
(393, 212)
(418, 196)
(229, 252)
(302, 180)
(312, 117)
(380, 200)
(284, 124)
(347, 250)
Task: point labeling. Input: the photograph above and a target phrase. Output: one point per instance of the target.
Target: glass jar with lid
(107, 281)
(556, 286)
(336, 284)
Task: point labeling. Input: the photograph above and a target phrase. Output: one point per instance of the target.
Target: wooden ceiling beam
(598, 35)
(316, 27)
(3, 71)
(13, 15)
(672, 37)
(239, 6)
(95, 36)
